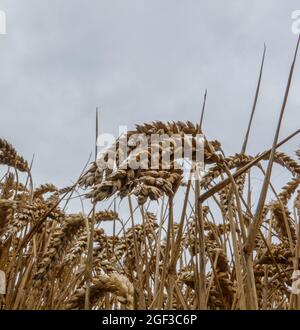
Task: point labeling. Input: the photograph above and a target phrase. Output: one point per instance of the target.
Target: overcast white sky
(140, 61)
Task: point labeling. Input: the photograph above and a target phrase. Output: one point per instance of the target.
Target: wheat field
(202, 258)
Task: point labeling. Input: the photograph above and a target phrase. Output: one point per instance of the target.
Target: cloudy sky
(138, 61)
